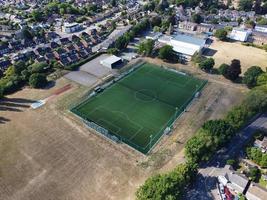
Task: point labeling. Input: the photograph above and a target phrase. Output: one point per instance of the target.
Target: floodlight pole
(150, 141)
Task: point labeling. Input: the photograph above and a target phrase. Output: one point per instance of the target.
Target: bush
(251, 75)
(207, 64)
(223, 69)
(37, 80)
(221, 34)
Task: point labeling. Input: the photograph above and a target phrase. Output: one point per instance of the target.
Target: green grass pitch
(139, 107)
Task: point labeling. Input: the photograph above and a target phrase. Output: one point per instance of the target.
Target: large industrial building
(184, 44)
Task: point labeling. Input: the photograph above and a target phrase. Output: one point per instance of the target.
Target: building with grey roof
(184, 44)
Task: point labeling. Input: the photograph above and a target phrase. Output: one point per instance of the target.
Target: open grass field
(138, 108)
(248, 56)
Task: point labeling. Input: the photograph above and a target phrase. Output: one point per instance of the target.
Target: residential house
(64, 61)
(75, 38)
(15, 45)
(71, 27)
(31, 55)
(74, 58)
(40, 40)
(54, 45)
(186, 25)
(49, 56)
(204, 28)
(261, 28)
(92, 32)
(28, 43)
(20, 57)
(262, 144)
(52, 36)
(237, 182)
(64, 41)
(4, 49)
(40, 59)
(258, 38)
(84, 53)
(4, 64)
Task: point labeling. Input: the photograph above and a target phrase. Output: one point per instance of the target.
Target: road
(205, 185)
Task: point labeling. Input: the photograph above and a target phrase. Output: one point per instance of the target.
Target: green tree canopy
(166, 53)
(168, 186)
(207, 64)
(221, 34)
(251, 75)
(245, 5)
(37, 80)
(234, 70)
(146, 47)
(223, 69)
(196, 18)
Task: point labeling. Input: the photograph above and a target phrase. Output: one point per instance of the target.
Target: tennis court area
(139, 108)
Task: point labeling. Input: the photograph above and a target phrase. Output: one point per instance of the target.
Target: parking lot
(91, 72)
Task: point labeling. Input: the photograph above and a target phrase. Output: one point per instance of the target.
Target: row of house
(239, 184)
(66, 51)
(14, 45)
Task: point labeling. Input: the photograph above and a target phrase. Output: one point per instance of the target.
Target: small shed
(111, 62)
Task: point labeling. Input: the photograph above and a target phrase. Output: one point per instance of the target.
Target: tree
(251, 75)
(245, 5)
(223, 69)
(262, 21)
(37, 15)
(263, 162)
(37, 80)
(249, 23)
(168, 186)
(113, 51)
(166, 53)
(27, 33)
(262, 79)
(38, 67)
(207, 64)
(1, 92)
(254, 174)
(156, 21)
(146, 47)
(221, 34)
(156, 29)
(196, 18)
(234, 70)
(231, 162)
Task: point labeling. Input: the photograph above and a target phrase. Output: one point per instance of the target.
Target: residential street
(205, 185)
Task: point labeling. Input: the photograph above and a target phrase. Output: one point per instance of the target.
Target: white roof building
(261, 28)
(111, 61)
(184, 44)
(239, 34)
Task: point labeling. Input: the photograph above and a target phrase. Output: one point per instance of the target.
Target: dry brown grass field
(248, 56)
(48, 153)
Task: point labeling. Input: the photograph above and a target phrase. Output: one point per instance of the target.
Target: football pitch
(139, 108)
